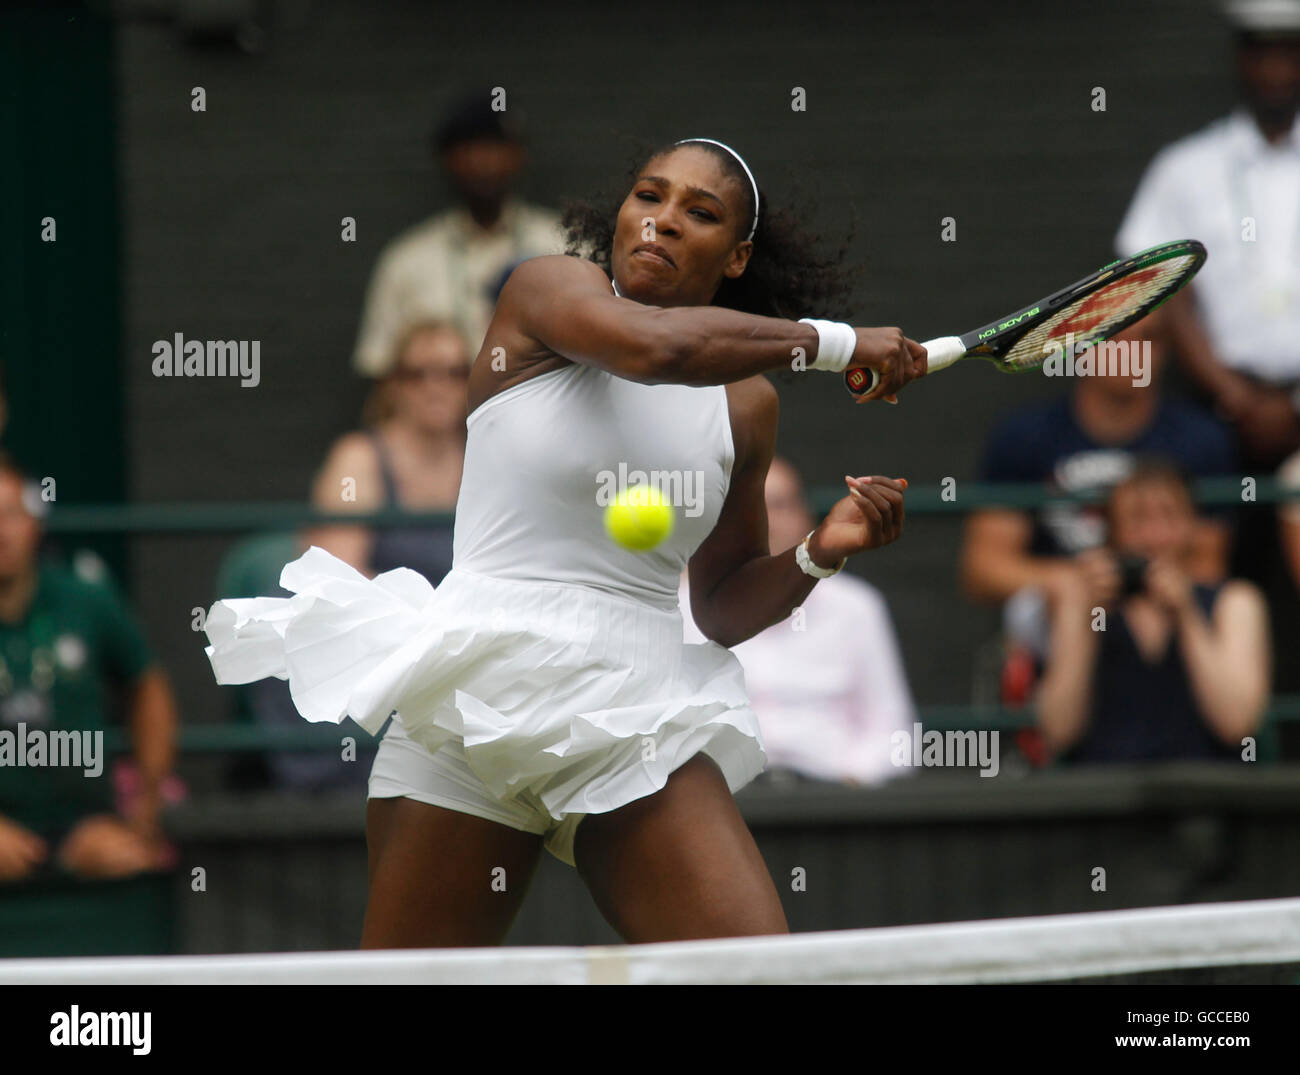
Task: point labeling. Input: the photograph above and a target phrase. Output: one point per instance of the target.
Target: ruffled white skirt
(585, 700)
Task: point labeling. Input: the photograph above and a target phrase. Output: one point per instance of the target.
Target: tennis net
(1252, 942)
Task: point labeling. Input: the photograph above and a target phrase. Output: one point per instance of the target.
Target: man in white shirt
(1235, 185)
(827, 683)
(450, 267)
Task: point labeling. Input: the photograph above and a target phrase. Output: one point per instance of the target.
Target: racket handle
(943, 352)
(940, 353)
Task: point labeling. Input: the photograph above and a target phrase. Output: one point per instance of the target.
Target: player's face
(20, 533)
(680, 231)
(430, 380)
(1151, 520)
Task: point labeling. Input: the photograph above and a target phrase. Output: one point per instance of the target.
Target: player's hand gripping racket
(1089, 311)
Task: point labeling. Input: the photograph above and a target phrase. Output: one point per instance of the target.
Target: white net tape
(1048, 948)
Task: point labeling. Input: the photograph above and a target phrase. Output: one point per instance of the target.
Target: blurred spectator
(64, 641)
(1236, 186)
(1175, 670)
(1085, 441)
(410, 456)
(828, 683)
(448, 268)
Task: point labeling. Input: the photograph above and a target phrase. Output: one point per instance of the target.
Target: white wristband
(836, 342)
(806, 565)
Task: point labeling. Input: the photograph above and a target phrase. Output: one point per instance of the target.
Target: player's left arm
(737, 588)
(725, 607)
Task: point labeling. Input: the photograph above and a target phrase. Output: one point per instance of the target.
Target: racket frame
(994, 340)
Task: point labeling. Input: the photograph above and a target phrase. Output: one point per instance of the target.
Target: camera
(1132, 575)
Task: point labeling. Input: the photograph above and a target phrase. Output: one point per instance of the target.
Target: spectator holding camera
(1146, 664)
(1085, 441)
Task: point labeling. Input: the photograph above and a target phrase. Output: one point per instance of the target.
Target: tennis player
(543, 693)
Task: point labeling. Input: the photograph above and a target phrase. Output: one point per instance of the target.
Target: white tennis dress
(546, 676)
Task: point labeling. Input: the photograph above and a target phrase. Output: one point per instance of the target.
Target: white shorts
(404, 769)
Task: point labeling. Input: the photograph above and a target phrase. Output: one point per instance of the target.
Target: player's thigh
(679, 864)
(441, 878)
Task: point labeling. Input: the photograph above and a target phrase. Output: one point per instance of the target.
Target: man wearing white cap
(1235, 185)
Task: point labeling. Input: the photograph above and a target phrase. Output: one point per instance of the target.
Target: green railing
(927, 499)
(245, 738)
(237, 517)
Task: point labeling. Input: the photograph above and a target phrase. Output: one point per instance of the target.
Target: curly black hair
(787, 276)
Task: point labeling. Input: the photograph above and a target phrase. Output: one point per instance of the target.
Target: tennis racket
(1089, 311)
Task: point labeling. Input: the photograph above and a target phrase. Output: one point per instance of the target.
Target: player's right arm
(565, 305)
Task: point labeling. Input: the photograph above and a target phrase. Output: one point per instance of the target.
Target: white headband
(754, 226)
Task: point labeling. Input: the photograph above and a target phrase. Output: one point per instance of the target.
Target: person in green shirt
(64, 641)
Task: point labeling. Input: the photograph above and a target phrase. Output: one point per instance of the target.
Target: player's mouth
(655, 252)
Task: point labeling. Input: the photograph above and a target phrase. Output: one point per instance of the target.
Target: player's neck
(1113, 418)
(16, 594)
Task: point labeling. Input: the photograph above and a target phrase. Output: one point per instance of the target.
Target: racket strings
(1101, 313)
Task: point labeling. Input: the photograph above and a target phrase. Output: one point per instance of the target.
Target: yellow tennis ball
(639, 519)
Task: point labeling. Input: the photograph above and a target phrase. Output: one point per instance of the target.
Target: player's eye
(704, 214)
(647, 195)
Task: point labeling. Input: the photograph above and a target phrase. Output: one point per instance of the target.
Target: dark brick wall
(916, 111)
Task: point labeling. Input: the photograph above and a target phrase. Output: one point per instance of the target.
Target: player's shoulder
(754, 398)
(753, 409)
(552, 270)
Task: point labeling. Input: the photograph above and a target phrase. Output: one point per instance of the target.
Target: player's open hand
(870, 516)
(893, 356)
